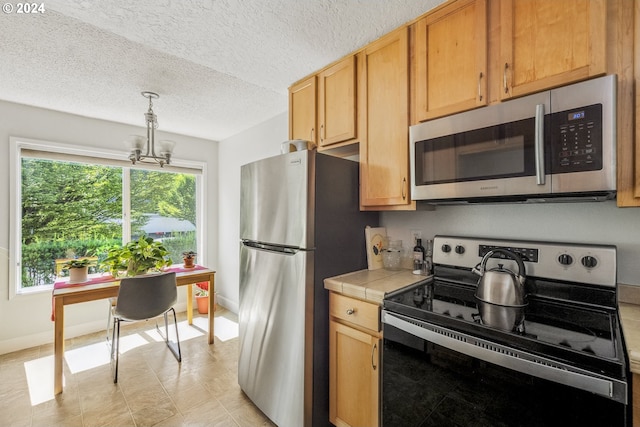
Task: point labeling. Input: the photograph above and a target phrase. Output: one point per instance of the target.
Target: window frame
(113, 157)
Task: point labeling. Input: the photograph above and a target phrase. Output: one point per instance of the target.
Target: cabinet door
(450, 50)
(337, 102)
(354, 376)
(302, 110)
(551, 43)
(383, 103)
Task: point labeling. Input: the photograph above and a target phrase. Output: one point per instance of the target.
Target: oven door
(488, 152)
(428, 379)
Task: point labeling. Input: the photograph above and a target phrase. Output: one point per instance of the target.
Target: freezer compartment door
(273, 297)
(275, 200)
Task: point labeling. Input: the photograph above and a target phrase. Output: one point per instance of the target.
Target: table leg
(190, 304)
(212, 305)
(58, 344)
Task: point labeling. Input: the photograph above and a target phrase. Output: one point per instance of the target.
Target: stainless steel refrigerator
(300, 222)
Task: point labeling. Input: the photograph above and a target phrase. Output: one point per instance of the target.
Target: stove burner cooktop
(571, 313)
(576, 328)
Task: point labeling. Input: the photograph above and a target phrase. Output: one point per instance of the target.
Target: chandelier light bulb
(166, 146)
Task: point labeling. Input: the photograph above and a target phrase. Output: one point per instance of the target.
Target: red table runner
(63, 282)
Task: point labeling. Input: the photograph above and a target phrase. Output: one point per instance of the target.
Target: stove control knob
(459, 249)
(446, 248)
(589, 261)
(565, 259)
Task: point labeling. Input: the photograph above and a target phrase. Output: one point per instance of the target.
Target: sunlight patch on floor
(88, 357)
(185, 331)
(40, 379)
(225, 329)
(39, 371)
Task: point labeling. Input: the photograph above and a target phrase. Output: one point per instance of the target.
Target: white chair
(143, 298)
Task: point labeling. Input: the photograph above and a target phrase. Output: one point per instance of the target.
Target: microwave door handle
(539, 144)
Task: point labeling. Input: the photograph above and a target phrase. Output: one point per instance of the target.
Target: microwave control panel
(576, 139)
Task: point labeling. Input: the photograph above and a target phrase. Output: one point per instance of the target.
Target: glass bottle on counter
(419, 255)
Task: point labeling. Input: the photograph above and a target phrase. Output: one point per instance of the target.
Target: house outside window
(69, 203)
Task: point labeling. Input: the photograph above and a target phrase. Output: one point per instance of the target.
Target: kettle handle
(508, 253)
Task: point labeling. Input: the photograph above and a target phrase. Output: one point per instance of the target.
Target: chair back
(144, 297)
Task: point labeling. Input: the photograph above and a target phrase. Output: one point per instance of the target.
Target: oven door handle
(508, 357)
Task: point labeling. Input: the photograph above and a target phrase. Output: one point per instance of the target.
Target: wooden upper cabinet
(450, 60)
(337, 102)
(384, 136)
(302, 110)
(551, 43)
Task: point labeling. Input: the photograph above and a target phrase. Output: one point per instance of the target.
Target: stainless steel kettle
(499, 285)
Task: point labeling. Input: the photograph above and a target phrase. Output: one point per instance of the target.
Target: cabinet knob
(350, 311)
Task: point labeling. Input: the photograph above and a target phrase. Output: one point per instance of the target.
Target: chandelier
(138, 143)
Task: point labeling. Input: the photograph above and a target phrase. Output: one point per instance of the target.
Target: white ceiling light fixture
(137, 143)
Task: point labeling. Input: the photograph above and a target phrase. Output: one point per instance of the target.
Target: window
(70, 203)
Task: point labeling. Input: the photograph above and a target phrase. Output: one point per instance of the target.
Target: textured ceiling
(220, 66)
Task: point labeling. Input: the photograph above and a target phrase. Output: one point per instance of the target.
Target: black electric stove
(569, 333)
(583, 334)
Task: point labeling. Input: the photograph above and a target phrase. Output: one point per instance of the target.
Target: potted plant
(78, 269)
(202, 297)
(189, 258)
(137, 257)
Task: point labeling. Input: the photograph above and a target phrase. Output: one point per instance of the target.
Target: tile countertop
(629, 304)
(372, 285)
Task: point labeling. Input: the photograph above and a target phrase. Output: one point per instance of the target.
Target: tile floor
(152, 390)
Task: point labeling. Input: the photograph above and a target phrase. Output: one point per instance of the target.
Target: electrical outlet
(415, 235)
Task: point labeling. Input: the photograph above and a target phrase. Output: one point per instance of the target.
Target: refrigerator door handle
(285, 250)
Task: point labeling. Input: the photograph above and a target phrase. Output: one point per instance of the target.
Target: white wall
(592, 223)
(25, 319)
(257, 143)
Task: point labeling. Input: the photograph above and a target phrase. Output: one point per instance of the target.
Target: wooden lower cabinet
(354, 374)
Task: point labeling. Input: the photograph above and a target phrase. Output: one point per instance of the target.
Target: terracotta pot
(203, 304)
(189, 262)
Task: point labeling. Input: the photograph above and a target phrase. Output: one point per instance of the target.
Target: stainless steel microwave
(550, 145)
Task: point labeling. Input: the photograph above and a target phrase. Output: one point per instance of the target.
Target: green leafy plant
(189, 254)
(137, 257)
(77, 263)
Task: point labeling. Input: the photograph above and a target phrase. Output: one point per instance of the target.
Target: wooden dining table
(97, 288)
